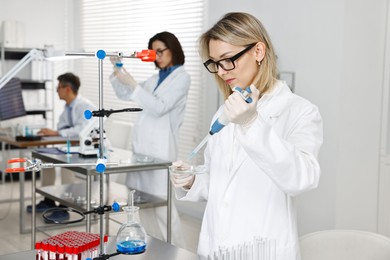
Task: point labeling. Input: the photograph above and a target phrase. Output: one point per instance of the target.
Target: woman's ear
(260, 51)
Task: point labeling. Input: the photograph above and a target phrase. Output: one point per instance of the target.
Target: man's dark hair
(70, 79)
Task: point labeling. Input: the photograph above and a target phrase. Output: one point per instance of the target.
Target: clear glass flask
(131, 237)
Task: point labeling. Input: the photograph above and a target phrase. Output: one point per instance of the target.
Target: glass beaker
(131, 237)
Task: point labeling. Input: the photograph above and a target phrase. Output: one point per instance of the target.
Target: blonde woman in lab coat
(265, 156)
(156, 133)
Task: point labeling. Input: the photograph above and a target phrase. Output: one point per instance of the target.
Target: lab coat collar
(272, 104)
(164, 83)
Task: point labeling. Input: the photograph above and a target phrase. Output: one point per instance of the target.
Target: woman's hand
(238, 111)
(126, 78)
(181, 180)
(47, 132)
(115, 60)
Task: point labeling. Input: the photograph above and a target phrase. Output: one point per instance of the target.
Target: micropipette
(221, 122)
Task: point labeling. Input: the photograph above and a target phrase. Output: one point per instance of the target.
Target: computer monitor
(11, 100)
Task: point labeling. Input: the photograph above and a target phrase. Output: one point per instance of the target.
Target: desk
(46, 140)
(118, 155)
(156, 249)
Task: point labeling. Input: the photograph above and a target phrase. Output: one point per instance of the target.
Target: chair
(344, 245)
(119, 134)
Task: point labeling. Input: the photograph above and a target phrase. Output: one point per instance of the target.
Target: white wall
(43, 20)
(362, 74)
(336, 49)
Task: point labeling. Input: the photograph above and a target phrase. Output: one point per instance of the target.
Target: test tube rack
(73, 245)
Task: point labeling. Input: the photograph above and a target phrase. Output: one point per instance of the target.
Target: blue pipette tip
(191, 155)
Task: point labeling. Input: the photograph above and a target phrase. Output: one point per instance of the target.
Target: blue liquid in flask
(131, 247)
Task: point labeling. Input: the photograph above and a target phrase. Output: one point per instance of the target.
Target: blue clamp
(100, 54)
(115, 206)
(88, 114)
(100, 165)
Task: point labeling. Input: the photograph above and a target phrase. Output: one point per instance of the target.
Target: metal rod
(80, 54)
(169, 209)
(33, 205)
(101, 154)
(22, 222)
(89, 202)
(108, 54)
(51, 165)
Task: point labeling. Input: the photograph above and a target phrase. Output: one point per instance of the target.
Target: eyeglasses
(160, 52)
(61, 86)
(226, 64)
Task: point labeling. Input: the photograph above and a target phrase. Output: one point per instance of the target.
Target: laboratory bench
(155, 250)
(90, 189)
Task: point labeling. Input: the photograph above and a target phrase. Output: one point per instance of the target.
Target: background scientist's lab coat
(156, 132)
(79, 105)
(254, 175)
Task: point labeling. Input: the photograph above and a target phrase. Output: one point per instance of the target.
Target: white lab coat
(79, 105)
(254, 174)
(156, 133)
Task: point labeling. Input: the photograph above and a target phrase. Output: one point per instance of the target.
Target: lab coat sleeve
(289, 161)
(160, 105)
(121, 90)
(200, 188)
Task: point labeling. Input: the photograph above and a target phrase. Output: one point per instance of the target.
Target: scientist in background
(163, 98)
(70, 123)
(264, 157)
(72, 119)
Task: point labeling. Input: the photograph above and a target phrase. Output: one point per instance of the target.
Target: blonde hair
(242, 29)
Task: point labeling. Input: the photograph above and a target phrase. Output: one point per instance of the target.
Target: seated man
(70, 123)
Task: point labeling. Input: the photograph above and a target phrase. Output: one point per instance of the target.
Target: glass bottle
(131, 237)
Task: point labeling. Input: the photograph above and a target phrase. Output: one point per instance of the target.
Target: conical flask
(131, 237)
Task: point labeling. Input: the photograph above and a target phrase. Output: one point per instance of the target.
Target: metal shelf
(33, 84)
(14, 53)
(117, 192)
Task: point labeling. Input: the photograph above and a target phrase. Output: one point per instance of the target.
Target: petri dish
(126, 161)
(191, 169)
